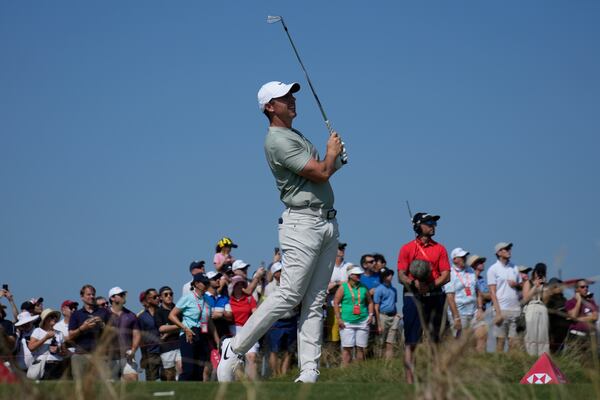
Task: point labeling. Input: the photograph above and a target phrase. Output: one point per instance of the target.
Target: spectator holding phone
(8, 295)
(535, 293)
(47, 345)
(85, 328)
(583, 311)
(8, 337)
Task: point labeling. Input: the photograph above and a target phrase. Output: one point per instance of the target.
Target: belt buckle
(331, 213)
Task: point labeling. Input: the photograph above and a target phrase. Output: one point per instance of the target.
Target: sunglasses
(101, 304)
(168, 294)
(583, 287)
(369, 261)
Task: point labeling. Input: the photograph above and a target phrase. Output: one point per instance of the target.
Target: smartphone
(5, 287)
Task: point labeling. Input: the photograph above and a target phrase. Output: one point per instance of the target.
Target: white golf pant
(309, 246)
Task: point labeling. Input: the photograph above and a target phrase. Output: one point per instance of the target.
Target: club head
(271, 19)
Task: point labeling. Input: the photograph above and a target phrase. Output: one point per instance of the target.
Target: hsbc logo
(539, 379)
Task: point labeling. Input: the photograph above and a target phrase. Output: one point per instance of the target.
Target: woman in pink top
(223, 255)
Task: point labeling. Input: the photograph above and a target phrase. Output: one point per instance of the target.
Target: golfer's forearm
(319, 171)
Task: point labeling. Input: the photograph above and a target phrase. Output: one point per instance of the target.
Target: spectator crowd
(177, 333)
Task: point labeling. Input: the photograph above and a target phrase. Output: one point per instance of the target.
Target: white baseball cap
(213, 274)
(458, 252)
(239, 264)
(273, 90)
(276, 267)
(354, 269)
(115, 290)
(502, 245)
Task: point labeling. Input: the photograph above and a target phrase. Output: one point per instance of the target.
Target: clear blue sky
(131, 141)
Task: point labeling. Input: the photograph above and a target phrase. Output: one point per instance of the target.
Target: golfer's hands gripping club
(335, 149)
(343, 157)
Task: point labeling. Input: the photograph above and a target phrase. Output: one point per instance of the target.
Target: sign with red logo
(544, 372)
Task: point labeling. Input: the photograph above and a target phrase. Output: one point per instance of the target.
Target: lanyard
(466, 286)
(423, 253)
(352, 294)
(199, 308)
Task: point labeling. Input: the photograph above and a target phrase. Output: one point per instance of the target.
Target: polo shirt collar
(431, 242)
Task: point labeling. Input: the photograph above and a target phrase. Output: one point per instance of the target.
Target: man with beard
(426, 295)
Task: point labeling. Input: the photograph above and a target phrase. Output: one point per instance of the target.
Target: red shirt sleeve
(403, 259)
(444, 264)
(570, 304)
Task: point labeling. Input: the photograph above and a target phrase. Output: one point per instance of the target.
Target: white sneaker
(228, 363)
(308, 376)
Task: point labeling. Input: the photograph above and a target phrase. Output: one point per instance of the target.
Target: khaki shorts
(508, 326)
(170, 358)
(390, 328)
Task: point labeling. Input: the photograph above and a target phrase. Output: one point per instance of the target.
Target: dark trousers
(419, 311)
(53, 370)
(193, 356)
(151, 363)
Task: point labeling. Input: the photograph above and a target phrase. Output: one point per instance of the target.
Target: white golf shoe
(228, 363)
(308, 376)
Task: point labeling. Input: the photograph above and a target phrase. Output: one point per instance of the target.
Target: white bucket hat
(25, 317)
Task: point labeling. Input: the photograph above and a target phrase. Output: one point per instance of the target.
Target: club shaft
(312, 89)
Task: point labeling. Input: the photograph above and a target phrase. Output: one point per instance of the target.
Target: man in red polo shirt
(426, 294)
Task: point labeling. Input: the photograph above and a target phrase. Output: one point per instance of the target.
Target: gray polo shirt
(287, 152)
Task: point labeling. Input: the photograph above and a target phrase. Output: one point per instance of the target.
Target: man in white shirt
(504, 281)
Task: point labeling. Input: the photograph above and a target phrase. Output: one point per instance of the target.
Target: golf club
(272, 19)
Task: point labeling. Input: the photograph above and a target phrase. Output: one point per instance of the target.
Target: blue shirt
(190, 307)
(482, 285)
(86, 341)
(371, 281)
(150, 333)
(463, 283)
(219, 302)
(386, 297)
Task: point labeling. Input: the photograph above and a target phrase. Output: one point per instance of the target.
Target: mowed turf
(486, 376)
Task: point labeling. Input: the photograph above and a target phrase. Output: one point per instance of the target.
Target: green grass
(455, 374)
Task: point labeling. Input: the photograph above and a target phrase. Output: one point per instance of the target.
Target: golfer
(308, 234)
